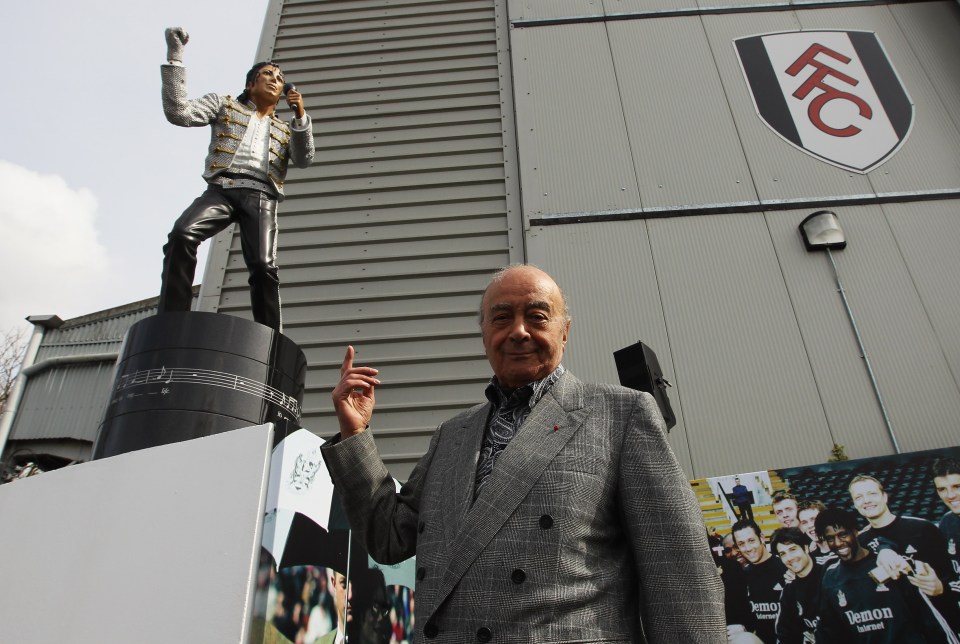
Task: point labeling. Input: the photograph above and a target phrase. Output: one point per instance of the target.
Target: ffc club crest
(833, 94)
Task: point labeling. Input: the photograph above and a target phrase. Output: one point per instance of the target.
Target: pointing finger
(347, 361)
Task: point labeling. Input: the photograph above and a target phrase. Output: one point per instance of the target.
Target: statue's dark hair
(244, 96)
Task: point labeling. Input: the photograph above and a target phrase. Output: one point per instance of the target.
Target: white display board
(158, 545)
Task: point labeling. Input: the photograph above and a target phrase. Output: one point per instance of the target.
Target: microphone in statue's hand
(287, 88)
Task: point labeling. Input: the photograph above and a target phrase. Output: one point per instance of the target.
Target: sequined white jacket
(228, 120)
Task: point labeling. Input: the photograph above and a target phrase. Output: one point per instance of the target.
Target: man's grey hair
(500, 273)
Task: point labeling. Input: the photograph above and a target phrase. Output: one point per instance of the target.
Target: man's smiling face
(524, 326)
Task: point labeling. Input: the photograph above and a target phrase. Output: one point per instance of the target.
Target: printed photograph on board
(850, 551)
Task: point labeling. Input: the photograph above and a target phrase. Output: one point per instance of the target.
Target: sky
(92, 176)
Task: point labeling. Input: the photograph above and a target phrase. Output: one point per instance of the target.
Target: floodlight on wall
(822, 230)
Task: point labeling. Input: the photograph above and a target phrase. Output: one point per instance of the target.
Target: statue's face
(267, 86)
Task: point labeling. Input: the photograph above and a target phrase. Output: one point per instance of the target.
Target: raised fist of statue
(176, 38)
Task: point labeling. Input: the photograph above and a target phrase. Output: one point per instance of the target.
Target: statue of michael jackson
(250, 149)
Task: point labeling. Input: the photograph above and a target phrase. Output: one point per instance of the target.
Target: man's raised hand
(353, 397)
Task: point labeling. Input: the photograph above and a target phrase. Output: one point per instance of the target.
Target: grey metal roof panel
(410, 394)
(927, 236)
(66, 401)
(439, 141)
(369, 11)
(682, 136)
(303, 213)
(489, 171)
(348, 24)
(405, 91)
(573, 146)
(619, 7)
(359, 271)
(95, 333)
(417, 193)
(848, 400)
(413, 230)
(542, 9)
(420, 284)
(390, 349)
(332, 65)
(360, 245)
(897, 332)
(351, 329)
(706, 5)
(409, 369)
(319, 45)
(931, 29)
(738, 355)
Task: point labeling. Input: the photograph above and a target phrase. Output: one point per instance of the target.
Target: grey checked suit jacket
(586, 531)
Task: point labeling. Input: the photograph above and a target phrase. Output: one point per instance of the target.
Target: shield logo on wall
(833, 94)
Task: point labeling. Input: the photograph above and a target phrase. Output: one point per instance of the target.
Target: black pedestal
(187, 375)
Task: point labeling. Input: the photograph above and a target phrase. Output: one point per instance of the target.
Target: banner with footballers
(856, 550)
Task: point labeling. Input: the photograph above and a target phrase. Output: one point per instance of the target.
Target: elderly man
(555, 512)
(250, 149)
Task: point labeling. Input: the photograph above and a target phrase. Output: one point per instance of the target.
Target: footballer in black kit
(858, 605)
(800, 600)
(917, 540)
(946, 480)
(764, 578)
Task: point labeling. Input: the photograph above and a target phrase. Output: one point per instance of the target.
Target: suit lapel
(551, 424)
(465, 451)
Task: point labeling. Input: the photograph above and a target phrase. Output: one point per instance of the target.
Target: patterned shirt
(510, 409)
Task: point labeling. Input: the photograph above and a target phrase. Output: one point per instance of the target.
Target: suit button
(518, 576)
(484, 635)
(421, 573)
(421, 527)
(546, 522)
(430, 630)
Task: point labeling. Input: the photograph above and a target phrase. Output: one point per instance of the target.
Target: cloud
(50, 256)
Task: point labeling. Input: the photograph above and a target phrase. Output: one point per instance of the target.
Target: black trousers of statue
(256, 215)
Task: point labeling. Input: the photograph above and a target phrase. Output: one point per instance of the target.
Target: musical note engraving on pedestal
(187, 375)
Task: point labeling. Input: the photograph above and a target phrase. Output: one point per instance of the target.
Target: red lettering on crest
(816, 81)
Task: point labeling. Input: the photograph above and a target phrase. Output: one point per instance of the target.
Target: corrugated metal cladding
(748, 326)
(66, 400)
(388, 238)
(95, 333)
